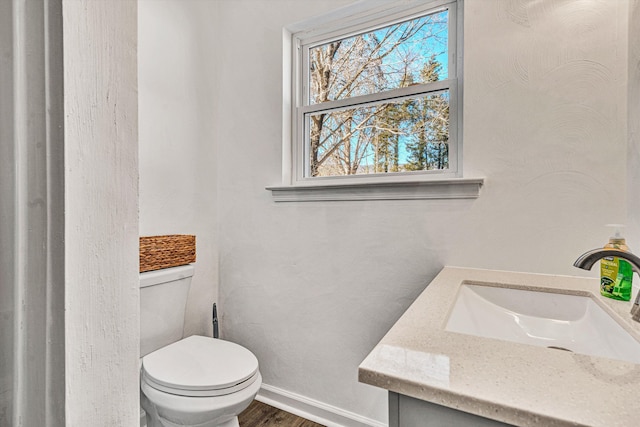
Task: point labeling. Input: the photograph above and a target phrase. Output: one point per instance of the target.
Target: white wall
(101, 213)
(311, 287)
(177, 74)
(633, 115)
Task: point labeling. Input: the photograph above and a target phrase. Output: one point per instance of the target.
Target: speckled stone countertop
(518, 384)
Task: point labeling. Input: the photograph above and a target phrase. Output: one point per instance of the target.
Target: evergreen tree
(429, 118)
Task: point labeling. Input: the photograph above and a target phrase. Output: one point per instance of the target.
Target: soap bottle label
(615, 274)
(608, 275)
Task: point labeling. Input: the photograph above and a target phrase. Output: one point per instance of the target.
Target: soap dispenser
(615, 273)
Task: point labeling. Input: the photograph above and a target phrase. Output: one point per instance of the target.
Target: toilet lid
(200, 366)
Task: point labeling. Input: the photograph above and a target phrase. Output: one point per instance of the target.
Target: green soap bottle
(616, 273)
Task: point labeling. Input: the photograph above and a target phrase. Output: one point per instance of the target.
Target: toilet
(193, 381)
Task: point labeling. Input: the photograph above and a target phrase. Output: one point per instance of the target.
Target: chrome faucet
(587, 259)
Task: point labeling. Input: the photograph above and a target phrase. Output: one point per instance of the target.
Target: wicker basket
(158, 252)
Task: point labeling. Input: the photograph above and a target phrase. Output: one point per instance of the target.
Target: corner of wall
(633, 120)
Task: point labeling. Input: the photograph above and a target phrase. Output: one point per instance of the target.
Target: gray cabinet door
(405, 411)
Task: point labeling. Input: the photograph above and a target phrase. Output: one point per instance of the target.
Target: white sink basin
(568, 322)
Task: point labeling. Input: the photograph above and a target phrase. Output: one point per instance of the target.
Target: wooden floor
(259, 414)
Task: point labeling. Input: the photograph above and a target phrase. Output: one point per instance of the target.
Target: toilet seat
(201, 367)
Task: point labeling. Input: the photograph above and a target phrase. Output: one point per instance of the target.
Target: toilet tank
(163, 302)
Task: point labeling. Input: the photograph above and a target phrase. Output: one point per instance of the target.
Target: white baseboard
(313, 410)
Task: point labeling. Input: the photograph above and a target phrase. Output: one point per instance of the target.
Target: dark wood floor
(259, 414)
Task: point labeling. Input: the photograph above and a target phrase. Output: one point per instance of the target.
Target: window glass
(388, 58)
(399, 136)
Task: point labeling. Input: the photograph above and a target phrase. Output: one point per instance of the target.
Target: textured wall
(312, 287)
(177, 154)
(633, 92)
(545, 121)
(101, 213)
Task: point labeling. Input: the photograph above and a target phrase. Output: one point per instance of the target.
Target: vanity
(495, 348)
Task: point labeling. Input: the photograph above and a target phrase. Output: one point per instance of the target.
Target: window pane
(392, 57)
(397, 136)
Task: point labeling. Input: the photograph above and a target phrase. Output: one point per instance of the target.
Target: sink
(573, 323)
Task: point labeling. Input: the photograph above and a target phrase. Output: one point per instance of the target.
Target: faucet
(587, 259)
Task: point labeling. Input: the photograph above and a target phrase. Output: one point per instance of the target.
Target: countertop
(518, 384)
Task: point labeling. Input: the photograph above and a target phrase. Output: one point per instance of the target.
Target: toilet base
(231, 423)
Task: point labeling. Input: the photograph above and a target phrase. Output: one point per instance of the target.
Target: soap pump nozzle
(617, 241)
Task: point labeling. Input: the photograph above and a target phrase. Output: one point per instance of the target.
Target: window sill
(454, 188)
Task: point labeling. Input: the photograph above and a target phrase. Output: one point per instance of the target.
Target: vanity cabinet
(405, 411)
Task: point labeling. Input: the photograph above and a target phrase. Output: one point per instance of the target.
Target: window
(375, 96)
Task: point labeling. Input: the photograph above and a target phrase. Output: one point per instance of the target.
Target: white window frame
(356, 19)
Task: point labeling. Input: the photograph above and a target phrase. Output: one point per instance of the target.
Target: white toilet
(195, 381)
